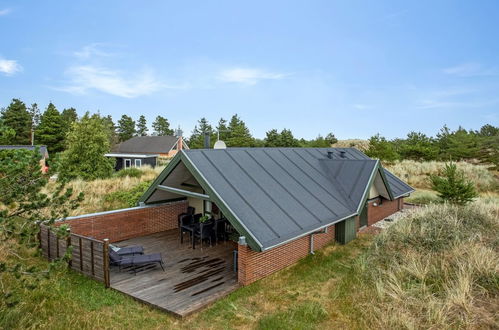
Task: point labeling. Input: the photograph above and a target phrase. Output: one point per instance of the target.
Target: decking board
(157, 288)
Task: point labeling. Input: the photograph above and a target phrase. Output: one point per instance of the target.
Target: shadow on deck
(192, 279)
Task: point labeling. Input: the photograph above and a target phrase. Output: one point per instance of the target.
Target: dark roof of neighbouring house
(279, 194)
(41, 149)
(147, 145)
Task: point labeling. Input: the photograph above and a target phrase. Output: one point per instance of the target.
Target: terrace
(193, 278)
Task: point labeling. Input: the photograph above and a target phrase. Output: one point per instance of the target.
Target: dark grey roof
(282, 193)
(147, 145)
(42, 149)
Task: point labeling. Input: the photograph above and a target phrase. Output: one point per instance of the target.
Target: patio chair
(206, 230)
(187, 225)
(190, 211)
(128, 250)
(136, 261)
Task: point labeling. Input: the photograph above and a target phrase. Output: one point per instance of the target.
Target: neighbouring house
(277, 205)
(145, 150)
(41, 149)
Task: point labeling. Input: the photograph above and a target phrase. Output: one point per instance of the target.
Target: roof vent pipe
(330, 154)
(342, 154)
(207, 141)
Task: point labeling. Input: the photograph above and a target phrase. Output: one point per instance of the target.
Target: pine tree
(287, 139)
(88, 141)
(222, 129)
(126, 128)
(196, 141)
(382, 149)
(142, 126)
(239, 134)
(51, 131)
(272, 139)
(69, 116)
(6, 133)
(161, 126)
(17, 117)
(452, 186)
(331, 139)
(111, 130)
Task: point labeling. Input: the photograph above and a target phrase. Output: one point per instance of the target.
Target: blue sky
(353, 68)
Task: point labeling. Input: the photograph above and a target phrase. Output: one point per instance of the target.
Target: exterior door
(363, 216)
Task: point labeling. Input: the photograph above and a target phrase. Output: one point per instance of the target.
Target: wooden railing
(89, 256)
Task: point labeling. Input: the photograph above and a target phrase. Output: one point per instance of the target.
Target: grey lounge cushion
(141, 259)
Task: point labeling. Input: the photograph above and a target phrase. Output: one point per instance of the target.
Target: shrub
(452, 186)
(131, 172)
(127, 198)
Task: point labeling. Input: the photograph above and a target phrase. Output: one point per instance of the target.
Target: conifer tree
(51, 131)
(239, 134)
(17, 117)
(126, 128)
(452, 186)
(161, 126)
(142, 126)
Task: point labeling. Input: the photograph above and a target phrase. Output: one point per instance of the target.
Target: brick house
(145, 150)
(283, 203)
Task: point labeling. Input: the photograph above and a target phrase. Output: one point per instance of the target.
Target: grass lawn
(304, 296)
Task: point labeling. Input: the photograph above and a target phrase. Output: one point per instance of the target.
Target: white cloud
(248, 76)
(91, 50)
(87, 77)
(5, 11)
(9, 67)
(470, 69)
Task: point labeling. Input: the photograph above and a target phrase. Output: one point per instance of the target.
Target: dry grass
(95, 191)
(362, 145)
(438, 268)
(416, 173)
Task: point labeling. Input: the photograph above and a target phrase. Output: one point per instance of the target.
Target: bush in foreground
(436, 268)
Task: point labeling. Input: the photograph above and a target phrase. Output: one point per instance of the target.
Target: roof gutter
(315, 230)
(183, 192)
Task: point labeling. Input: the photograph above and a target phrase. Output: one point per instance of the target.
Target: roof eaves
(168, 169)
(369, 183)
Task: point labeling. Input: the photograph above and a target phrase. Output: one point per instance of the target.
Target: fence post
(106, 262)
(68, 246)
(48, 243)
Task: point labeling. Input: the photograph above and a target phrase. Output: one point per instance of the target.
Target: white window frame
(129, 161)
(139, 161)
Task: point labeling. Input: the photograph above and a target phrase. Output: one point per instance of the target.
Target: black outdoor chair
(135, 261)
(206, 230)
(128, 250)
(187, 225)
(220, 229)
(190, 211)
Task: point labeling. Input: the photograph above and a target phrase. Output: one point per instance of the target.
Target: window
(128, 163)
(138, 162)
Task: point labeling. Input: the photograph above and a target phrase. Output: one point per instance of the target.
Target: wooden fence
(89, 256)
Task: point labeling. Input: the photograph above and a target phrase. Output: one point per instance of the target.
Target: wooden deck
(192, 279)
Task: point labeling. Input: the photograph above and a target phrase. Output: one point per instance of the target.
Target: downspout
(323, 231)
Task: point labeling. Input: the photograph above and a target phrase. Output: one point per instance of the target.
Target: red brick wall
(125, 224)
(383, 210)
(253, 265)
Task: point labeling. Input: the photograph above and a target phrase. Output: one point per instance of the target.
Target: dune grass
(416, 173)
(96, 191)
(436, 268)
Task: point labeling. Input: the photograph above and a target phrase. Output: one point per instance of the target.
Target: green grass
(414, 275)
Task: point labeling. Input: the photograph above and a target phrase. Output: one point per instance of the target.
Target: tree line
(461, 144)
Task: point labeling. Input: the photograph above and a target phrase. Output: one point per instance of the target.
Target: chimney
(207, 142)
(342, 154)
(330, 154)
